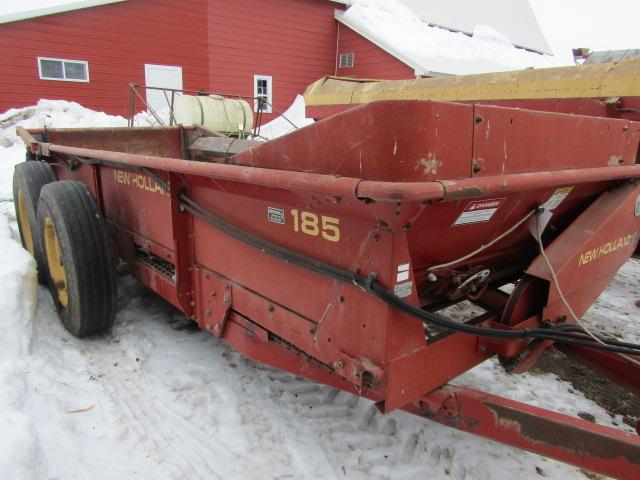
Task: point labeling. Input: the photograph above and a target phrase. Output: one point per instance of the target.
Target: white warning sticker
(403, 290)
(403, 272)
(402, 276)
(275, 215)
(557, 198)
(479, 211)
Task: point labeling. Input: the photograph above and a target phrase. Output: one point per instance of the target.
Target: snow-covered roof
(513, 18)
(434, 51)
(50, 7)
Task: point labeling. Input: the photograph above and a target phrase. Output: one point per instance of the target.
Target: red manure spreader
(335, 252)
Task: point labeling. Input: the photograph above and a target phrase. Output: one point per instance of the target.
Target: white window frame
(269, 80)
(63, 60)
(347, 56)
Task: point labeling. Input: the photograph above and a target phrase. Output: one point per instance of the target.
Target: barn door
(164, 76)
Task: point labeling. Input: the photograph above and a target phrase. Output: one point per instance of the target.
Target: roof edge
(529, 49)
(419, 69)
(43, 12)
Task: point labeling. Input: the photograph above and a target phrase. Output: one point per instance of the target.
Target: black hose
(565, 333)
(370, 284)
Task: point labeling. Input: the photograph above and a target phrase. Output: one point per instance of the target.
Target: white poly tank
(224, 115)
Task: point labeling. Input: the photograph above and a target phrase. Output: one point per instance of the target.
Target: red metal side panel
(370, 61)
(117, 40)
(318, 299)
(390, 141)
(508, 141)
(588, 254)
(294, 41)
(134, 201)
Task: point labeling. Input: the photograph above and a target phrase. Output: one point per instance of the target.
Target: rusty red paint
(588, 445)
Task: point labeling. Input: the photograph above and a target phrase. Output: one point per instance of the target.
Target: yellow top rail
(587, 81)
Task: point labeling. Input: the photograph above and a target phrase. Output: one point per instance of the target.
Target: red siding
(294, 41)
(117, 40)
(220, 46)
(370, 61)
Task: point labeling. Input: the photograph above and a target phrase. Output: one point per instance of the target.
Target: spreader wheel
(80, 268)
(28, 180)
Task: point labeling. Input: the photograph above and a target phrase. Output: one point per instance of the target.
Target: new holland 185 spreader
(335, 252)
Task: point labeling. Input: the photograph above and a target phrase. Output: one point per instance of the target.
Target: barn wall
(294, 41)
(370, 61)
(117, 40)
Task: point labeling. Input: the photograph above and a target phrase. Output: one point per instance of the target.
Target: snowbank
(18, 281)
(291, 120)
(437, 50)
(64, 114)
(53, 114)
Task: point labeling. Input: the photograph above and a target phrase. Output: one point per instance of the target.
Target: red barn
(91, 50)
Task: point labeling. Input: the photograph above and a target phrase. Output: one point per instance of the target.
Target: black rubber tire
(86, 255)
(28, 180)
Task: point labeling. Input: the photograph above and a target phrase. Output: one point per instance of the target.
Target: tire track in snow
(355, 437)
(202, 410)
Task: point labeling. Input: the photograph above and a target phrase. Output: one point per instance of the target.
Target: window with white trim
(63, 70)
(346, 60)
(263, 92)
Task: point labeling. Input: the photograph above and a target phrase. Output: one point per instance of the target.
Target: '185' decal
(311, 224)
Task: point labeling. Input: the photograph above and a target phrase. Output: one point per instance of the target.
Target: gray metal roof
(611, 56)
(513, 18)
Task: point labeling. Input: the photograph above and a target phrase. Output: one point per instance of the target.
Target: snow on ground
(292, 119)
(148, 401)
(432, 49)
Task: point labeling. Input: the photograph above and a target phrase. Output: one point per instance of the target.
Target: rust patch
(571, 438)
(429, 165)
(460, 193)
(477, 165)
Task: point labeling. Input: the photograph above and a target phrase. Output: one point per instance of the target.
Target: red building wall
(116, 39)
(294, 41)
(220, 46)
(370, 61)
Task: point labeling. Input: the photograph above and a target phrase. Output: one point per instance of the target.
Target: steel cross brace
(600, 449)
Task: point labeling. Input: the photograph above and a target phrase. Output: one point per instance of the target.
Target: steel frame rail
(571, 440)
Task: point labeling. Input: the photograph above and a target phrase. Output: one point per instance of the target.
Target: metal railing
(170, 95)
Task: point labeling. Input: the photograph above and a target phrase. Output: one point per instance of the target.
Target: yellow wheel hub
(25, 226)
(54, 262)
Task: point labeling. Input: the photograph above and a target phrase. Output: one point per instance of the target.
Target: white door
(164, 76)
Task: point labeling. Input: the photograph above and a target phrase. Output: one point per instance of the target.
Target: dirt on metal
(614, 399)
